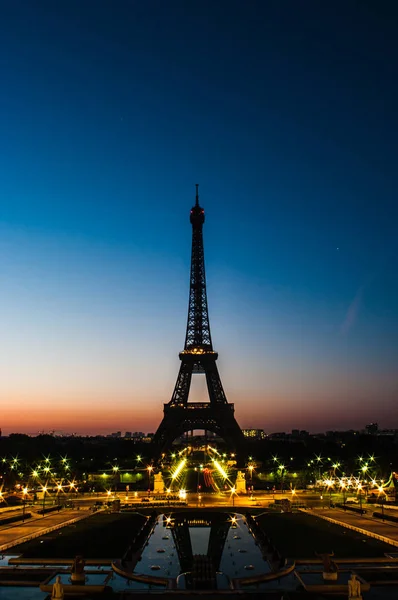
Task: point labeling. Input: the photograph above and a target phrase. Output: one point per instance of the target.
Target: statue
(354, 588)
(77, 571)
(329, 566)
(158, 483)
(240, 485)
(58, 589)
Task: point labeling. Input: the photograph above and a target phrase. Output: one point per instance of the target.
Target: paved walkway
(37, 525)
(367, 522)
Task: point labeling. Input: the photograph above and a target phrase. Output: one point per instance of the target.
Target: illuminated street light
(25, 493)
(149, 469)
(44, 489)
(233, 492)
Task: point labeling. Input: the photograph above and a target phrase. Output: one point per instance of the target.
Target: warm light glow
(178, 469)
(220, 469)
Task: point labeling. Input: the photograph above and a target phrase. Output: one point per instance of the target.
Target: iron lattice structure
(198, 356)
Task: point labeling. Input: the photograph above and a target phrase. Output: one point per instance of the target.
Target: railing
(200, 406)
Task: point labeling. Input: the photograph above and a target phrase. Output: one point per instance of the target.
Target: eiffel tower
(198, 356)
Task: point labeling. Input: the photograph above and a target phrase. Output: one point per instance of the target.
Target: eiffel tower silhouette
(198, 356)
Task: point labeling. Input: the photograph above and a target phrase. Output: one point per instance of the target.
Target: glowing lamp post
(149, 469)
(25, 493)
(359, 488)
(382, 493)
(44, 489)
(250, 467)
(233, 492)
(59, 489)
(343, 488)
(329, 483)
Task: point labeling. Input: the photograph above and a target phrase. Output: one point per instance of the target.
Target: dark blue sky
(285, 113)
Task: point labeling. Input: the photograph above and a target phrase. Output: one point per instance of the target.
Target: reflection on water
(21, 593)
(171, 550)
(241, 556)
(228, 543)
(199, 539)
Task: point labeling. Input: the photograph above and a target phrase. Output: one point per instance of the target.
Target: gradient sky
(285, 112)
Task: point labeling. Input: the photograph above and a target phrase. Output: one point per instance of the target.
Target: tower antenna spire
(197, 194)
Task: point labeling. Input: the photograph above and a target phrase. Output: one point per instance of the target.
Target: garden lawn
(99, 536)
(299, 535)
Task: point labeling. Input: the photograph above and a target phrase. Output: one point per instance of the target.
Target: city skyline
(291, 135)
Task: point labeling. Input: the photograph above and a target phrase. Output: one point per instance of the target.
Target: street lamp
(359, 488)
(343, 487)
(381, 491)
(44, 489)
(59, 489)
(149, 469)
(233, 492)
(250, 467)
(25, 492)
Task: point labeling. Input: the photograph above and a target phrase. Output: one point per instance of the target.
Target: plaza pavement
(387, 529)
(37, 525)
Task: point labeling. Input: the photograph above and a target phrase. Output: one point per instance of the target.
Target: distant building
(279, 435)
(300, 433)
(128, 434)
(117, 434)
(372, 428)
(254, 434)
